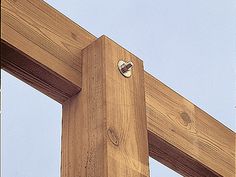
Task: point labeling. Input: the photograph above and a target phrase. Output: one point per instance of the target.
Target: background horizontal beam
(48, 42)
(43, 48)
(35, 74)
(184, 137)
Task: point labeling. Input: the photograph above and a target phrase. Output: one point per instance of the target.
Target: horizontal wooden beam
(36, 74)
(43, 48)
(45, 42)
(184, 137)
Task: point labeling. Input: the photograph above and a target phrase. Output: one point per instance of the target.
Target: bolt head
(125, 68)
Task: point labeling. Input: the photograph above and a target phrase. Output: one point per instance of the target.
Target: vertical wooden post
(104, 130)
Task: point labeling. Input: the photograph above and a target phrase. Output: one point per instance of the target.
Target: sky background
(188, 45)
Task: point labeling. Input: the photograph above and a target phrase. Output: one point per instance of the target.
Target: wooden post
(104, 130)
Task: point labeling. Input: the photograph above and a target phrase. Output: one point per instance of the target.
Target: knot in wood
(185, 117)
(113, 137)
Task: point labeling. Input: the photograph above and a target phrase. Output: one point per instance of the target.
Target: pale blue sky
(188, 45)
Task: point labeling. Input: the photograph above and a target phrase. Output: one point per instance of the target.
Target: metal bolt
(125, 68)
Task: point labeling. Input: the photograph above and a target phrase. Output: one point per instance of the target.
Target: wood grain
(104, 127)
(42, 47)
(48, 40)
(34, 74)
(184, 137)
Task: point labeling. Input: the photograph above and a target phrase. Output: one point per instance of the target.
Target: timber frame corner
(111, 124)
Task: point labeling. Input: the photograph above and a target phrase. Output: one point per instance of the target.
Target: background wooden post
(104, 130)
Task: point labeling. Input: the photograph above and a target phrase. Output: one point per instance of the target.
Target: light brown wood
(104, 127)
(46, 39)
(197, 139)
(51, 84)
(43, 48)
